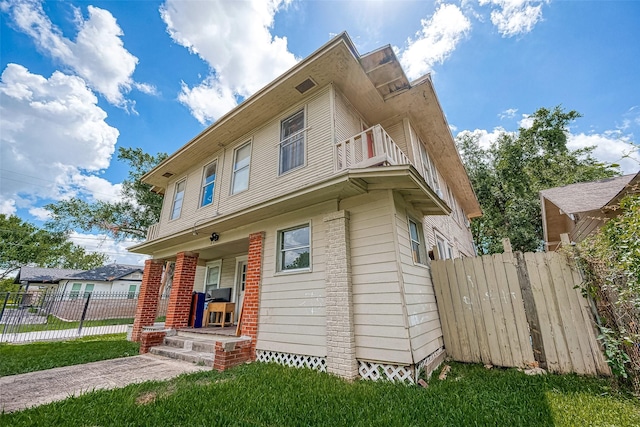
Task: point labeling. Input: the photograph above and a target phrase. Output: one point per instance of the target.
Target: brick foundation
(148, 298)
(341, 341)
(251, 302)
(181, 290)
(230, 354)
(150, 339)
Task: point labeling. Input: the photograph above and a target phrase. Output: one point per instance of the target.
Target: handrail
(371, 147)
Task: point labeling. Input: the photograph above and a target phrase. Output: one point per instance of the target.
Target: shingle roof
(44, 275)
(106, 273)
(586, 196)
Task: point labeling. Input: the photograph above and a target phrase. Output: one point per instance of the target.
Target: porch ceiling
(404, 179)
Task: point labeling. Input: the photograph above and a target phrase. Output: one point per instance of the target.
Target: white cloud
(41, 214)
(611, 147)
(508, 113)
(97, 54)
(7, 207)
(484, 137)
(101, 243)
(526, 122)
(437, 39)
(234, 39)
(514, 17)
(54, 136)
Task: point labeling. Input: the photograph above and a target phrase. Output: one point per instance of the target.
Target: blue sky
(81, 78)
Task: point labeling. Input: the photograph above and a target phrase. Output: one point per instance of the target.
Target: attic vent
(167, 174)
(306, 85)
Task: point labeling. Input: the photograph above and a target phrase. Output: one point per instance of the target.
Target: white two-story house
(318, 201)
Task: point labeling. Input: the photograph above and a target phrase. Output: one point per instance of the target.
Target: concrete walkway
(22, 391)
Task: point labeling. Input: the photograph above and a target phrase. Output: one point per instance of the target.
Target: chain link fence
(49, 315)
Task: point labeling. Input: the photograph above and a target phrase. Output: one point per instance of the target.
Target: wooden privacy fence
(517, 310)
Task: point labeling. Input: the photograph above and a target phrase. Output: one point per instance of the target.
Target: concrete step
(188, 343)
(197, 357)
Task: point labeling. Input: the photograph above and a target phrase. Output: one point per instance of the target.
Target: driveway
(22, 391)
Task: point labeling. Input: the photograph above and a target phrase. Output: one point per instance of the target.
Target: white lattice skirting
(292, 360)
(396, 373)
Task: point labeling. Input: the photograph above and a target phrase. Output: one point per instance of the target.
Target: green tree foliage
(508, 175)
(138, 208)
(25, 244)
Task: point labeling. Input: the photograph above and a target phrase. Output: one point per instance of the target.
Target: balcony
(152, 231)
(372, 147)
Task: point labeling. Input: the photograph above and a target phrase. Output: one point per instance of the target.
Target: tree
(25, 244)
(508, 175)
(138, 208)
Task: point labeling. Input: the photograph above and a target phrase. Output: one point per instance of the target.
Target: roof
(43, 275)
(106, 273)
(586, 196)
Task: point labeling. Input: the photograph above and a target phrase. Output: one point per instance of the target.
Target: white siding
(348, 121)
(264, 181)
(292, 305)
(379, 320)
(422, 312)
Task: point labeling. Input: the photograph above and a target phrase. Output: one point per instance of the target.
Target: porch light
(214, 237)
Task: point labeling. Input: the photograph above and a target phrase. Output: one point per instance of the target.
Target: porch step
(198, 357)
(191, 343)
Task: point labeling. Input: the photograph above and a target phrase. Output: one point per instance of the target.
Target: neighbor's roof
(43, 275)
(106, 273)
(586, 196)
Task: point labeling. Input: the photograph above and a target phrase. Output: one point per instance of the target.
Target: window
(88, 290)
(212, 277)
(75, 290)
(429, 170)
(417, 242)
(445, 251)
(294, 248)
(241, 162)
(292, 142)
(132, 291)
(177, 199)
(454, 205)
(208, 184)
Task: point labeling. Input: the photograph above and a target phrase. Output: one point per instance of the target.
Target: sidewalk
(22, 391)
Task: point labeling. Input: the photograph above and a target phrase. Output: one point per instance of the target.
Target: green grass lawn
(21, 358)
(271, 395)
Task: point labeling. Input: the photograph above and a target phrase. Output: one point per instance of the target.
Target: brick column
(341, 342)
(181, 290)
(148, 297)
(251, 301)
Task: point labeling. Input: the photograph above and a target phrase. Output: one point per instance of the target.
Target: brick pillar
(181, 290)
(341, 341)
(148, 297)
(251, 302)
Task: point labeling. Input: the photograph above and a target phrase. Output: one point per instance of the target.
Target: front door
(241, 279)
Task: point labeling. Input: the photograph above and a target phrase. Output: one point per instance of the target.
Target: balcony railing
(152, 231)
(372, 147)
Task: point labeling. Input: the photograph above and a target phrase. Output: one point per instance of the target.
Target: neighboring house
(119, 278)
(580, 209)
(38, 278)
(317, 200)
(114, 278)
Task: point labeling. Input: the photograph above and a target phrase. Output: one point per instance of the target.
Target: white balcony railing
(152, 231)
(372, 147)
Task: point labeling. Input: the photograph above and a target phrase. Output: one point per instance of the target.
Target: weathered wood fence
(517, 310)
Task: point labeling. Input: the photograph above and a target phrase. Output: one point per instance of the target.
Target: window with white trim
(241, 163)
(445, 250)
(208, 184)
(88, 290)
(453, 204)
(212, 277)
(292, 142)
(178, 198)
(294, 248)
(418, 249)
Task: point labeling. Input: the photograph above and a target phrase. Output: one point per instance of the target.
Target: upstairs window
(417, 242)
(429, 170)
(292, 142)
(294, 248)
(208, 184)
(241, 162)
(178, 198)
(445, 251)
